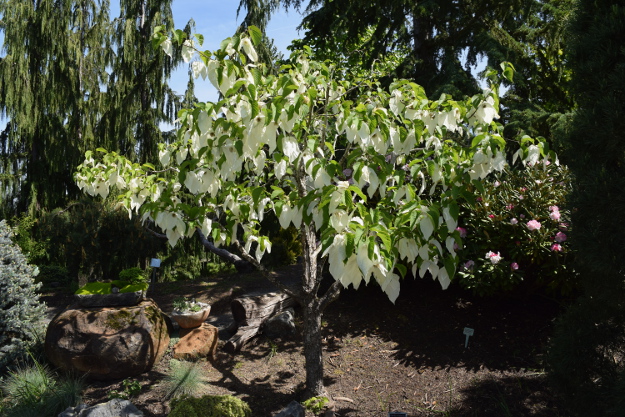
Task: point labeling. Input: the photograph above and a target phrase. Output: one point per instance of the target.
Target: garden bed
(381, 357)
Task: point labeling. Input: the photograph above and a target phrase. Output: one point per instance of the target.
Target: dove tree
(370, 176)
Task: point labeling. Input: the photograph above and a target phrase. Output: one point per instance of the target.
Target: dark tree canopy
(440, 43)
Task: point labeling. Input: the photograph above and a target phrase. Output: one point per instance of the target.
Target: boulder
(280, 326)
(114, 408)
(108, 342)
(294, 409)
(197, 342)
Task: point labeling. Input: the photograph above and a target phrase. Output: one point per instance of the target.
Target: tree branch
(240, 264)
(331, 294)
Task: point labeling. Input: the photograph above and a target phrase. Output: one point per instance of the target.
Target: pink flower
(462, 231)
(554, 208)
(554, 215)
(493, 257)
(513, 221)
(514, 266)
(496, 183)
(468, 265)
(456, 247)
(564, 227)
(492, 216)
(509, 207)
(556, 247)
(560, 237)
(533, 225)
(478, 199)
(522, 216)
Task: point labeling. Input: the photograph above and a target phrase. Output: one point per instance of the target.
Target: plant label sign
(397, 414)
(468, 332)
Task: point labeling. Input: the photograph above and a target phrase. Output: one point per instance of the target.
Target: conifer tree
(55, 55)
(139, 98)
(20, 309)
(587, 352)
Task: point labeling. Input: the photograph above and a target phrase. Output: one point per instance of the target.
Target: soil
(378, 357)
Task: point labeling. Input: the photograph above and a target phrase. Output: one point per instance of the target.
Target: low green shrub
(134, 275)
(49, 274)
(515, 233)
(210, 406)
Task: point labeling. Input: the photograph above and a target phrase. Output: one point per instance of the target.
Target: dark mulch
(380, 357)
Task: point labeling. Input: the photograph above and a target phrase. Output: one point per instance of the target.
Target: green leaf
(238, 145)
(402, 269)
(255, 34)
(358, 191)
(450, 266)
(257, 194)
(351, 244)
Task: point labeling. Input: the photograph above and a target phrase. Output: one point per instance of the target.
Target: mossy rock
(210, 406)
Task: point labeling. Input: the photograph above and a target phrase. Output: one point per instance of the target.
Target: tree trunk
(313, 352)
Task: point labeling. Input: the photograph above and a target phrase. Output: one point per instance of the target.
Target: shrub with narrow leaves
(20, 309)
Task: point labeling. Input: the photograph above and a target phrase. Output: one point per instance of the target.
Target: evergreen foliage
(138, 98)
(60, 100)
(91, 238)
(56, 54)
(588, 350)
(20, 309)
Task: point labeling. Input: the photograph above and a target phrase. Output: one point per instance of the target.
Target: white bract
(375, 173)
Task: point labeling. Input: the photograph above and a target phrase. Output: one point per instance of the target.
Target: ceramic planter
(190, 319)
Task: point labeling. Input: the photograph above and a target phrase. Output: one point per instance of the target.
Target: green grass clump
(35, 390)
(210, 406)
(184, 379)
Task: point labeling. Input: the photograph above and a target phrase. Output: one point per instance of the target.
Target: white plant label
(468, 332)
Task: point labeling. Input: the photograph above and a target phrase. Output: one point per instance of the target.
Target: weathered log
(254, 309)
(249, 313)
(243, 334)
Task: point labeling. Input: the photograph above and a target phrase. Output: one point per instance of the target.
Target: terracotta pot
(191, 319)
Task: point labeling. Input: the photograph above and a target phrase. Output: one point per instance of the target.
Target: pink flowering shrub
(515, 232)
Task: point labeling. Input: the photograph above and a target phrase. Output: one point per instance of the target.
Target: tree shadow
(427, 326)
(508, 397)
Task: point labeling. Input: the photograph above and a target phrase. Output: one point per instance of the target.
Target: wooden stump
(250, 311)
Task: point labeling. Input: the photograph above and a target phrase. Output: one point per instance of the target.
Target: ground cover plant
(370, 176)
